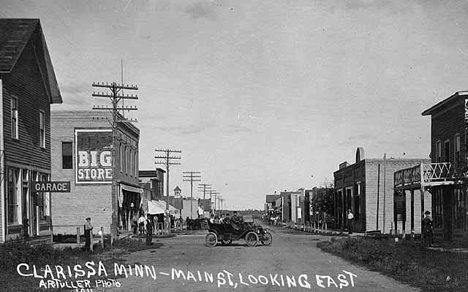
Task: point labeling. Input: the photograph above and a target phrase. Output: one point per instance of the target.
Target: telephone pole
(167, 160)
(191, 176)
(115, 96)
(213, 193)
(204, 188)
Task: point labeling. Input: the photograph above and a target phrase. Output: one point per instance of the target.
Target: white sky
(262, 94)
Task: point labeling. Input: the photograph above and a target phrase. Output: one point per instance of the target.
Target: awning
(154, 208)
(131, 189)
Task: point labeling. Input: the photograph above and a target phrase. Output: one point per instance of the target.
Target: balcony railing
(428, 173)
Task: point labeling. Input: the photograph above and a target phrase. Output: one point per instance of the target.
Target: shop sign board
(93, 153)
(52, 186)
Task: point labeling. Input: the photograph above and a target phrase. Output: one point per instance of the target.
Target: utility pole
(115, 97)
(204, 188)
(213, 192)
(167, 160)
(191, 176)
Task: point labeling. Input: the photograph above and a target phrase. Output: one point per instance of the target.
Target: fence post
(102, 237)
(78, 236)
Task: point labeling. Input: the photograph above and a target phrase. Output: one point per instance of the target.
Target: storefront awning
(131, 189)
(154, 208)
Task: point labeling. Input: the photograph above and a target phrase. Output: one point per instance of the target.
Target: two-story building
(82, 149)
(28, 87)
(366, 188)
(443, 182)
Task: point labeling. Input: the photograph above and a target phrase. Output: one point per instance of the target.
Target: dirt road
(292, 263)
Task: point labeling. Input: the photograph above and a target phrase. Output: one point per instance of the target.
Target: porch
(432, 187)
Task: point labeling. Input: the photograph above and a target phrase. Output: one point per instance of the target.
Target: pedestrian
(88, 228)
(149, 230)
(427, 230)
(135, 223)
(141, 224)
(350, 222)
(25, 228)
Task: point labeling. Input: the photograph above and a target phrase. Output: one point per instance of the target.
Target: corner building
(82, 155)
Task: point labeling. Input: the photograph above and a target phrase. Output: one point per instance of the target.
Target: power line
(115, 96)
(204, 188)
(167, 160)
(191, 176)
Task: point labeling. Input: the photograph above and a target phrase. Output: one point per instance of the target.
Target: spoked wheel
(211, 239)
(251, 239)
(267, 238)
(226, 242)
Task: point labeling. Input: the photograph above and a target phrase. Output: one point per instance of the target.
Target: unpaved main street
(292, 263)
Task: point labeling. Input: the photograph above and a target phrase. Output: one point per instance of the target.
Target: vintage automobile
(226, 233)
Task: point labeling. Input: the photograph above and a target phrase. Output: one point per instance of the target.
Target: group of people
(426, 227)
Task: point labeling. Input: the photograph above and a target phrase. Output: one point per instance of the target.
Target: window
(67, 155)
(43, 200)
(13, 176)
(437, 206)
(438, 151)
(42, 129)
(456, 150)
(14, 118)
(447, 151)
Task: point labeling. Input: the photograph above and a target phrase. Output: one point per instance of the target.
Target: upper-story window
(456, 149)
(42, 138)
(67, 155)
(438, 151)
(14, 118)
(447, 151)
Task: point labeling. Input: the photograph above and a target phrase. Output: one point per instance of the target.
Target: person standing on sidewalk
(427, 230)
(149, 230)
(350, 222)
(88, 228)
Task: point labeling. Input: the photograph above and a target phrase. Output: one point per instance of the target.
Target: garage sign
(52, 186)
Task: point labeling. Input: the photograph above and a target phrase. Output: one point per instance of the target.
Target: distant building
(366, 187)
(27, 89)
(177, 192)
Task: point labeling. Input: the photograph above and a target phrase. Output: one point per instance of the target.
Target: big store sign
(93, 156)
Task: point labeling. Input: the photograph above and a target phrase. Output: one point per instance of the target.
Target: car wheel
(211, 239)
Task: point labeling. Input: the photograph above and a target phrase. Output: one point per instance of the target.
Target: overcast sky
(261, 95)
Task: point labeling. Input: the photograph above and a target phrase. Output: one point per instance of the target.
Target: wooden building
(28, 87)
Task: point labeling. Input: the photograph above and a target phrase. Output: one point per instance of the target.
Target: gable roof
(439, 105)
(15, 33)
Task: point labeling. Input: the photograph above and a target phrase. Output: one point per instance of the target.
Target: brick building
(443, 181)
(27, 87)
(366, 187)
(82, 154)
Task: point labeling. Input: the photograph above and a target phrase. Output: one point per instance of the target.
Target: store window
(13, 207)
(14, 118)
(42, 138)
(67, 155)
(42, 200)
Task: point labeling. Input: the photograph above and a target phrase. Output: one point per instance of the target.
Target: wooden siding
(25, 83)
